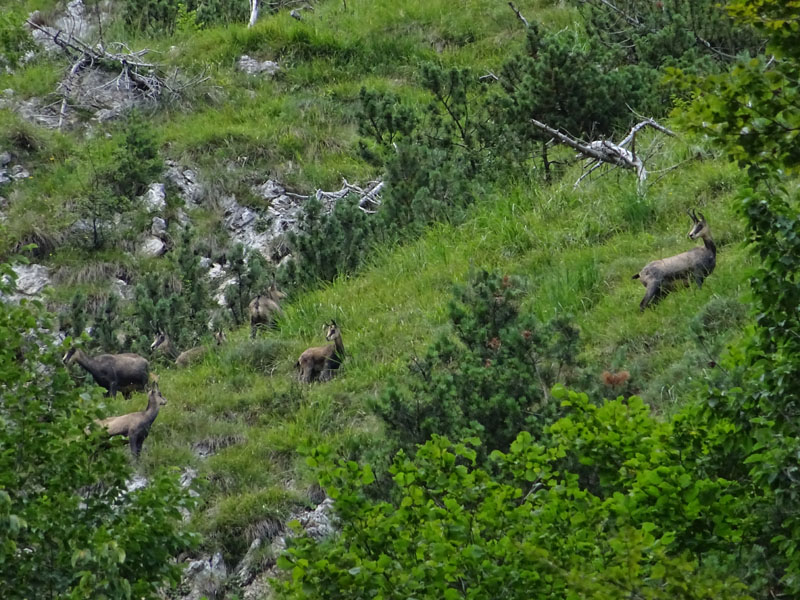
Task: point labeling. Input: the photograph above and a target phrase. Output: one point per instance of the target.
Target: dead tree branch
(519, 14)
(141, 78)
(606, 152)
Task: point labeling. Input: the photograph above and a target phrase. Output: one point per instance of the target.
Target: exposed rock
(74, 23)
(189, 188)
(122, 289)
(31, 279)
(216, 271)
(137, 482)
(154, 199)
(252, 66)
(159, 227)
(152, 247)
(5, 159)
(219, 297)
(19, 172)
(4, 178)
(242, 223)
(204, 578)
(205, 262)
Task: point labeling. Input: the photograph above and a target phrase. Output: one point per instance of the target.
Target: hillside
(240, 418)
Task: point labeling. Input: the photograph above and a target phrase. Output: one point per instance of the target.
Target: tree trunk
(253, 13)
(546, 162)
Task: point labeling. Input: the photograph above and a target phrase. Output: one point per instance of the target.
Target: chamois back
(114, 372)
(136, 426)
(698, 263)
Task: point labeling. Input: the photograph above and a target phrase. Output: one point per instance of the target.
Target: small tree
(491, 380)
(250, 273)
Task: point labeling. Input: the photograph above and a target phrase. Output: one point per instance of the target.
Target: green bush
(491, 379)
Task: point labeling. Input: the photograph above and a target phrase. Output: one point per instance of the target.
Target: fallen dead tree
(131, 73)
(368, 197)
(602, 152)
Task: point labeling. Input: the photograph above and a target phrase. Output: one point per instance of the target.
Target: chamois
(697, 263)
(164, 344)
(321, 362)
(265, 307)
(114, 372)
(135, 426)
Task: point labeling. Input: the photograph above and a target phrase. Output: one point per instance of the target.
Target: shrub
(491, 379)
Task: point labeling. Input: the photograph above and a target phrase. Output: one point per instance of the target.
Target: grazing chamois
(163, 344)
(265, 307)
(321, 362)
(697, 263)
(114, 372)
(135, 426)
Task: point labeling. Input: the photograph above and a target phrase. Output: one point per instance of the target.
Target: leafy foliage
(491, 380)
(15, 40)
(63, 499)
(530, 529)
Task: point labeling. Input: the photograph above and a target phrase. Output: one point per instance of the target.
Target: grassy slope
(577, 248)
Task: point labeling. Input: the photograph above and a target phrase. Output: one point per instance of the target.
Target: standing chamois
(697, 263)
(163, 344)
(321, 362)
(265, 307)
(114, 372)
(135, 426)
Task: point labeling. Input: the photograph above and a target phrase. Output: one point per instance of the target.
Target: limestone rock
(252, 66)
(159, 227)
(152, 247)
(31, 279)
(204, 577)
(154, 199)
(189, 187)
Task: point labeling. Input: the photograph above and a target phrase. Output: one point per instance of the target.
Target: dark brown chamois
(697, 263)
(135, 426)
(265, 307)
(321, 362)
(163, 344)
(114, 372)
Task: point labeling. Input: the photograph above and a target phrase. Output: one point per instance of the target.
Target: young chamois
(114, 372)
(265, 307)
(321, 362)
(697, 263)
(135, 426)
(163, 344)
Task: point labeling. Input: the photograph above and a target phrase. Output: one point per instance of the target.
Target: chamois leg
(253, 327)
(653, 290)
(136, 440)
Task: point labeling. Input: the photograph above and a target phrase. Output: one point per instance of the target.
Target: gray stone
(251, 66)
(19, 172)
(137, 482)
(205, 262)
(5, 158)
(4, 178)
(189, 188)
(31, 279)
(159, 227)
(204, 577)
(154, 199)
(121, 289)
(152, 247)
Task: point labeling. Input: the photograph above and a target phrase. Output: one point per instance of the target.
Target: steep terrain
(240, 418)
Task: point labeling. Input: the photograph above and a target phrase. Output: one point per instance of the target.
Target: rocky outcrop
(152, 247)
(186, 181)
(251, 66)
(31, 281)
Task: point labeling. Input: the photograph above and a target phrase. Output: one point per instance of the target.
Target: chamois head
(161, 339)
(154, 394)
(69, 357)
(273, 291)
(219, 337)
(331, 331)
(699, 226)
